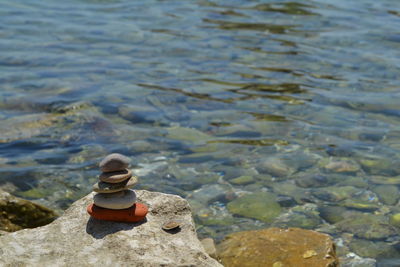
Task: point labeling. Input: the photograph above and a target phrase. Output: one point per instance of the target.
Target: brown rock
(102, 187)
(115, 177)
(17, 213)
(278, 247)
(342, 166)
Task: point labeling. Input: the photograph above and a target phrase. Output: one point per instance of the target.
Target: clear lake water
(260, 113)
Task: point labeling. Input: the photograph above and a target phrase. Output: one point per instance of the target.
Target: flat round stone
(115, 177)
(136, 213)
(116, 201)
(114, 162)
(171, 224)
(102, 187)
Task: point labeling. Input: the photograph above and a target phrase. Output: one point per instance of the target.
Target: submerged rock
(367, 226)
(395, 220)
(285, 201)
(363, 200)
(276, 167)
(242, 180)
(139, 113)
(187, 134)
(215, 214)
(314, 180)
(342, 166)
(353, 260)
(374, 249)
(355, 181)
(261, 206)
(332, 214)
(335, 193)
(75, 239)
(17, 213)
(305, 217)
(388, 194)
(208, 194)
(358, 204)
(289, 188)
(26, 126)
(277, 247)
(391, 180)
(380, 166)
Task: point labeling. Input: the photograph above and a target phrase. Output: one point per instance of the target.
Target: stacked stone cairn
(114, 200)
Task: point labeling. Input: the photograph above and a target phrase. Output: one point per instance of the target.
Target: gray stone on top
(114, 162)
(75, 239)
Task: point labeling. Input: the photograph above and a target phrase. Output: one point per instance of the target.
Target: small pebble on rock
(171, 224)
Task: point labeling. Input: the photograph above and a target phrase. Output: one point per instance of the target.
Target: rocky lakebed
(258, 115)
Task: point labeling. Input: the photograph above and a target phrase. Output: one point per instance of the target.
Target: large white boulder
(75, 239)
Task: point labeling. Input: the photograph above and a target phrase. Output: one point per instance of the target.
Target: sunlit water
(299, 98)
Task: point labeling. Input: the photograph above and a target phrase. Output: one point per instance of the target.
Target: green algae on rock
(342, 166)
(35, 193)
(390, 180)
(335, 193)
(357, 204)
(395, 220)
(355, 181)
(17, 213)
(242, 180)
(288, 188)
(261, 206)
(332, 214)
(305, 217)
(368, 226)
(187, 134)
(374, 249)
(379, 166)
(307, 180)
(276, 167)
(138, 113)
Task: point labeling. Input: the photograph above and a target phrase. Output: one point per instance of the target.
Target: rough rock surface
(209, 246)
(278, 247)
(75, 239)
(17, 213)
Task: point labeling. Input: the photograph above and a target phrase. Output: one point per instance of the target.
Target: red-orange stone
(136, 213)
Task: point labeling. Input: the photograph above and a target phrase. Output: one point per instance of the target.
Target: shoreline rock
(17, 213)
(277, 247)
(75, 239)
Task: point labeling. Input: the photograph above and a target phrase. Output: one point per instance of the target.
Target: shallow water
(298, 97)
